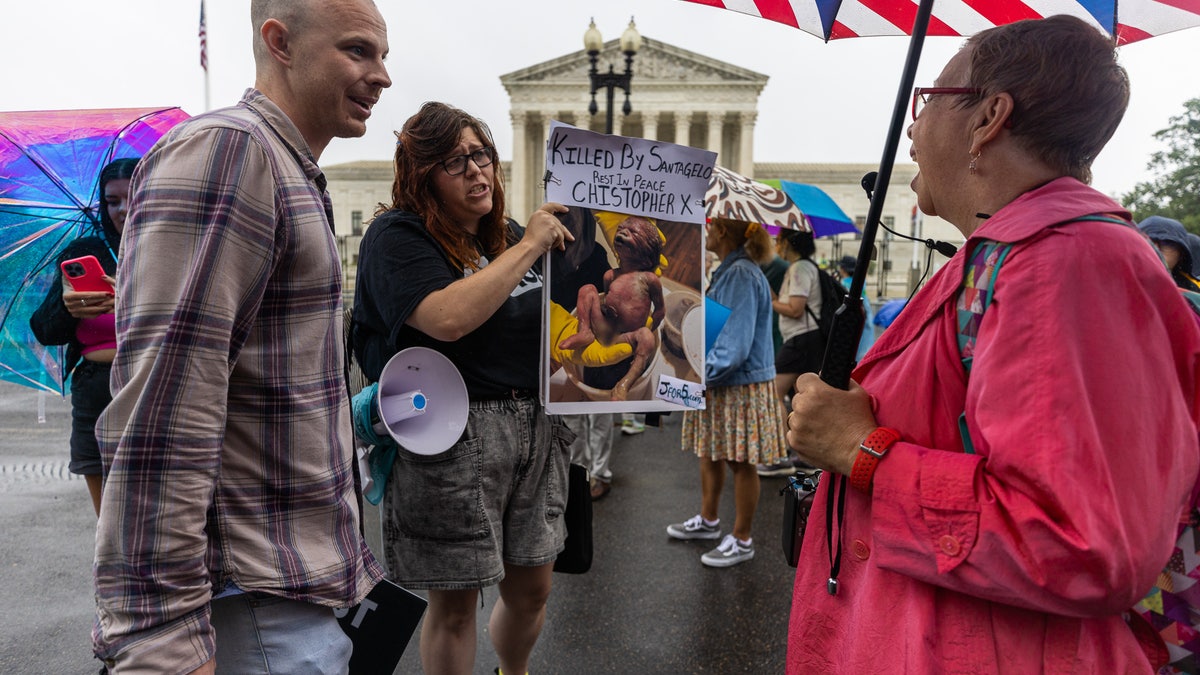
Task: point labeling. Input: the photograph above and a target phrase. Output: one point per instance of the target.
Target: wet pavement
(648, 605)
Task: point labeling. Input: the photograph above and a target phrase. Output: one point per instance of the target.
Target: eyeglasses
(921, 95)
(457, 165)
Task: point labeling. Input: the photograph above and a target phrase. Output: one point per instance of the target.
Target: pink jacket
(1083, 412)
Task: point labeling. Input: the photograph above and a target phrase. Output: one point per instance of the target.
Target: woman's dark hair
(1069, 93)
(801, 242)
(116, 169)
(427, 139)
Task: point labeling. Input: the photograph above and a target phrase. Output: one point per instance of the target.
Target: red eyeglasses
(921, 95)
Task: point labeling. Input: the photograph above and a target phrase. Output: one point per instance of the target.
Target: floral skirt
(741, 423)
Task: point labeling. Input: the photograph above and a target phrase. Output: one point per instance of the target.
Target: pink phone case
(86, 275)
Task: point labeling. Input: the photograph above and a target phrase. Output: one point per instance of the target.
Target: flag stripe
(1138, 19)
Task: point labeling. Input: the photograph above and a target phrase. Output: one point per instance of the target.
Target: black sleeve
(399, 268)
(51, 323)
(399, 265)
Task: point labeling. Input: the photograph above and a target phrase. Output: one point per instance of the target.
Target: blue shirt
(744, 352)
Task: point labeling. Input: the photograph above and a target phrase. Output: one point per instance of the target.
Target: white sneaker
(694, 528)
(632, 426)
(730, 552)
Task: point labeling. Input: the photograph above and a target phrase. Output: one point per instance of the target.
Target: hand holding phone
(86, 275)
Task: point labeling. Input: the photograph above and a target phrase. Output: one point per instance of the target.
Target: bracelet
(871, 450)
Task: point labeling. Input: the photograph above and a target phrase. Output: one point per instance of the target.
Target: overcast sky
(823, 103)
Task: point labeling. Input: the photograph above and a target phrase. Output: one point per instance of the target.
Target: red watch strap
(863, 472)
(870, 452)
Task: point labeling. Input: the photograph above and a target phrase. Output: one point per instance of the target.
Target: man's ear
(275, 36)
(994, 115)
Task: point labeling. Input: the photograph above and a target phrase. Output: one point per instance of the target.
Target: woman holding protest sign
(445, 269)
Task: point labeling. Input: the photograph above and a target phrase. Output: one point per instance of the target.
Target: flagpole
(842, 345)
(203, 33)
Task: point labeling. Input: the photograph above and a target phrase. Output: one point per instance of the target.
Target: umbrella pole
(842, 345)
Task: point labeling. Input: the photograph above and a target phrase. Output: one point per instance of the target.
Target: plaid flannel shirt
(228, 445)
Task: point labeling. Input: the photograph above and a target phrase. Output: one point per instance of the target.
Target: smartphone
(85, 274)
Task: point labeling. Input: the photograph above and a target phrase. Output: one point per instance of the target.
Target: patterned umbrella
(735, 197)
(49, 165)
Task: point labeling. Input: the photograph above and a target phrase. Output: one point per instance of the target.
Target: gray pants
(593, 443)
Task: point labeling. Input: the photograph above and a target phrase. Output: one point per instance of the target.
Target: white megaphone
(420, 402)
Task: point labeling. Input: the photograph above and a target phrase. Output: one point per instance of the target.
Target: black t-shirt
(399, 265)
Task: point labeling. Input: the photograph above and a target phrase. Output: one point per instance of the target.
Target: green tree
(1175, 190)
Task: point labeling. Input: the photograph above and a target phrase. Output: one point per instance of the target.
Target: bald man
(229, 522)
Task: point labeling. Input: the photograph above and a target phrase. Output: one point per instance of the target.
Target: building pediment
(655, 63)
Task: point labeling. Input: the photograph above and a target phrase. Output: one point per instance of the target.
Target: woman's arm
(799, 286)
(792, 307)
(454, 311)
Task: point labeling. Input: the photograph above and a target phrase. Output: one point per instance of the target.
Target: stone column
(746, 145)
(650, 126)
(715, 132)
(518, 205)
(683, 126)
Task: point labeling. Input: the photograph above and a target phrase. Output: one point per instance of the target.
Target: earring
(974, 158)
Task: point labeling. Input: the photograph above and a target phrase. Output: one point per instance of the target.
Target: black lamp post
(593, 43)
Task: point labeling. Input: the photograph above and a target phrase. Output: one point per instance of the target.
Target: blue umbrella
(50, 162)
(889, 311)
(822, 213)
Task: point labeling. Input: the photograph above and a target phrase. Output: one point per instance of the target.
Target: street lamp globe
(631, 40)
(592, 41)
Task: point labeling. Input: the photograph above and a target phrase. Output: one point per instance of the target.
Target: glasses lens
(455, 165)
(482, 157)
(918, 104)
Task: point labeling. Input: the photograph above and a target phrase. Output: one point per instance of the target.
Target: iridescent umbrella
(823, 214)
(49, 165)
(733, 196)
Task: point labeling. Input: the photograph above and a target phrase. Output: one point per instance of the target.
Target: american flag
(203, 40)
(834, 19)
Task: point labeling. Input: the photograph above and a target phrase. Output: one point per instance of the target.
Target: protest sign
(617, 298)
(635, 176)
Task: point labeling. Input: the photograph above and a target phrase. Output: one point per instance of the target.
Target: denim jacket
(743, 352)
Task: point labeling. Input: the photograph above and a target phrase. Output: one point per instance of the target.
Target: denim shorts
(267, 634)
(452, 521)
(89, 397)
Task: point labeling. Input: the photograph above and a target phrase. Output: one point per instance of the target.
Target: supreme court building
(681, 97)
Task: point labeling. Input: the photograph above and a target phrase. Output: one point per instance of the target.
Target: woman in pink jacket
(1018, 550)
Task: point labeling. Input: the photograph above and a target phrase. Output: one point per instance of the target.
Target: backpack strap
(808, 308)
